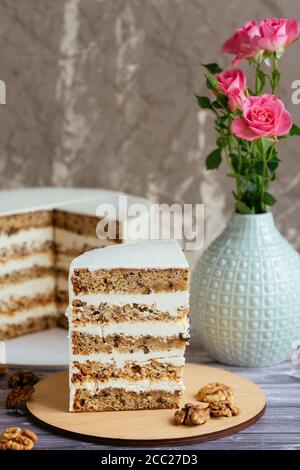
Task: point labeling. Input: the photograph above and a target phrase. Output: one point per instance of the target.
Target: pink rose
(240, 44)
(263, 116)
(233, 84)
(274, 34)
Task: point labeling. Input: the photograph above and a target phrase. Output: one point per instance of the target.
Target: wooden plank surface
(279, 428)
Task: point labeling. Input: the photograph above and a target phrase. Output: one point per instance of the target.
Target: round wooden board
(49, 405)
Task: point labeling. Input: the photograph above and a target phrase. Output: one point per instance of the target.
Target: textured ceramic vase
(245, 296)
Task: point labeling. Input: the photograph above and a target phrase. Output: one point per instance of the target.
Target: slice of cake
(128, 327)
(41, 231)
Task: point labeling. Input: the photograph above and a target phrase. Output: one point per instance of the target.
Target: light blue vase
(245, 294)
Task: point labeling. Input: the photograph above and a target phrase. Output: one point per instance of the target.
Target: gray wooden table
(279, 428)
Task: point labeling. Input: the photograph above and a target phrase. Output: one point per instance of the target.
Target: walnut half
(215, 392)
(191, 415)
(16, 439)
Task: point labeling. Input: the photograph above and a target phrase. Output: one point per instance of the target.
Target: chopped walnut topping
(16, 439)
(215, 392)
(22, 378)
(18, 395)
(191, 415)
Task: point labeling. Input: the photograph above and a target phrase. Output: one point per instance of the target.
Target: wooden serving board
(49, 406)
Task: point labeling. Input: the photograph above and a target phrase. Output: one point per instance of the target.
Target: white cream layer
(173, 356)
(26, 262)
(67, 240)
(62, 284)
(31, 288)
(134, 386)
(31, 237)
(165, 302)
(63, 262)
(22, 316)
(149, 328)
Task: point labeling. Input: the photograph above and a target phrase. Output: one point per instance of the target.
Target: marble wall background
(100, 93)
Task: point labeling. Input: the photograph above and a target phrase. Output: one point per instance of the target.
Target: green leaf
(213, 68)
(234, 162)
(275, 77)
(261, 81)
(203, 102)
(242, 208)
(216, 105)
(211, 83)
(222, 142)
(295, 130)
(279, 53)
(270, 151)
(214, 159)
(222, 100)
(273, 164)
(259, 167)
(221, 122)
(268, 199)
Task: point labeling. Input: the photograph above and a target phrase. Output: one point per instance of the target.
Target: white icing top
(13, 201)
(78, 200)
(144, 254)
(99, 205)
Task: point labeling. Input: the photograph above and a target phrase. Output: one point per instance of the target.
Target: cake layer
(12, 224)
(62, 262)
(17, 304)
(62, 319)
(133, 281)
(25, 241)
(44, 259)
(118, 359)
(169, 302)
(62, 282)
(29, 288)
(106, 313)
(74, 244)
(20, 277)
(136, 386)
(32, 312)
(136, 329)
(79, 223)
(17, 251)
(30, 324)
(115, 399)
(93, 371)
(84, 343)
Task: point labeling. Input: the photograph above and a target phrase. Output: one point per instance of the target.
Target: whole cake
(128, 327)
(41, 231)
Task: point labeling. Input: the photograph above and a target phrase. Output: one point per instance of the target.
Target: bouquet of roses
(248, 120)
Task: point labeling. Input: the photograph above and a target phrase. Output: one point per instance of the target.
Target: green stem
(275, 67)
(256, 78)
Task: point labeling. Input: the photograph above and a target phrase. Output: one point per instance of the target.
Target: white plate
(46, 348)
